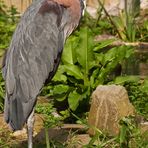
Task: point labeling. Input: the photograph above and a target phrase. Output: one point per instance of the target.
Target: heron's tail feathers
(13, 113)
(17, 112)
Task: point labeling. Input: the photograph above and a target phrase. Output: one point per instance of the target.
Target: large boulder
(109, 105)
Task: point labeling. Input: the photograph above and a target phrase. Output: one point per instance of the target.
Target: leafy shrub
(128, 26)
(48, 112)
(84, 66)
(142, 31)
(138, 96)
(8, 19)
(125, 24)
(130, 134)
(137, 91)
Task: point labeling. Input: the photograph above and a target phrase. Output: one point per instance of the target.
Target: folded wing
(32, 58)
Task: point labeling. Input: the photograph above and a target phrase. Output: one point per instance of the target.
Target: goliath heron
(34, 55)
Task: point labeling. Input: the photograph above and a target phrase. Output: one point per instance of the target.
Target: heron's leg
(30, 124)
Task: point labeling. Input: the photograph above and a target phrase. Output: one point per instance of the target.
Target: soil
(66, 136)
(60, 135)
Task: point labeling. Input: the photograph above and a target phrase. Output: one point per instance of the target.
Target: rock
(144, 128)
(109, 104)
(38, 126)
(20, 134)
(78, 141)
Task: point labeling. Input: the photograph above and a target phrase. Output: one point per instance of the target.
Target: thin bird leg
(30, 124)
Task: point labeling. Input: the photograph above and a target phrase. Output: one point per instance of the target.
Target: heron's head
(83, 6)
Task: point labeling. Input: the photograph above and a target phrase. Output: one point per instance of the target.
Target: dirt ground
(73, 135)
(61, 135)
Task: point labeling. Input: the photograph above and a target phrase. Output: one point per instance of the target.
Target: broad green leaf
(73, 70)
(103, 44)
(59, 76)
(68, 55)
(129, 51)
(110, 60)
(85, 50)
(99, 57)
(60, 89)
(120, 25)
(93, 77)
(123, 79)
(145, 85)
(61, 98)
(123, 132)
(118, 54)
(73, 100)
(109, 56)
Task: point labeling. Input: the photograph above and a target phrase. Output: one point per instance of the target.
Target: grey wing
(34, 53)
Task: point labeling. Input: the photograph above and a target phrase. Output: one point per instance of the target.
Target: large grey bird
(34, 55)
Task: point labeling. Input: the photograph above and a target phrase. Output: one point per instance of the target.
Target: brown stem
(110, 18)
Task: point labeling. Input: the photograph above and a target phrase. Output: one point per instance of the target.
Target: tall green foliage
(138, 95)
(84, 66)
(8, 20)
(125, 24)
(1, 92)
(137, 92)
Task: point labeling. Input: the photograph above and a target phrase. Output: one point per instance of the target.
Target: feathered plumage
(34, 54)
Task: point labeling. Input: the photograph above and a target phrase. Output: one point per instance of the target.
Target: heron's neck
(73, 6)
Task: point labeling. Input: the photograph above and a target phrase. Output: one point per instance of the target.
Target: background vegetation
(8, 20)
(87, 63)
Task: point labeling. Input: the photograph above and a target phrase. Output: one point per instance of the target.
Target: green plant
(1, 93)
(137, 92)
(84, 66)
(48, 112)
(142, 31)
(125, 24)
(130, 135)
(8, 19)
(49, 119)
(138, 96)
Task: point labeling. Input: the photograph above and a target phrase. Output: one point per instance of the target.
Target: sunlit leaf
(59, 76)
(123, 79)
(84, 50)
(73, 100)
(68, 54)
(60, 89)
(145, 85)
(73, 70)
(103, 44)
